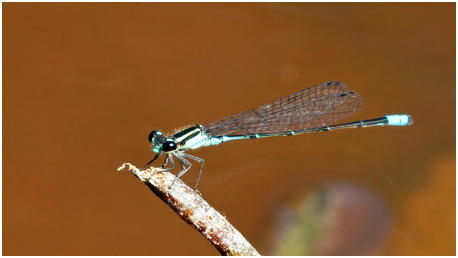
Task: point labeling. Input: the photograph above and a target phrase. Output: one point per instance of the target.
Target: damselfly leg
(172, 163)
(151, 161)
(201, 167)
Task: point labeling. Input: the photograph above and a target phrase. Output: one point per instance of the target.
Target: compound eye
(152, 135)
(169, 146)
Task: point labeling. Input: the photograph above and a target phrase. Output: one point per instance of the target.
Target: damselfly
(314, 109)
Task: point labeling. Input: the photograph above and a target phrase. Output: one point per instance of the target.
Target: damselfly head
(169, 146)
(157, 139)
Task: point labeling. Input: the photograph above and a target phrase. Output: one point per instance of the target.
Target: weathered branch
(193, 209)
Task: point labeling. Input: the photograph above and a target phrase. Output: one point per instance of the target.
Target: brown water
(85, 83)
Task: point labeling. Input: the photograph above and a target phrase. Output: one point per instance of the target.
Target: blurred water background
(85, 83)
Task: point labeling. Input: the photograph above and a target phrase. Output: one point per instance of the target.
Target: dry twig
(193, 209)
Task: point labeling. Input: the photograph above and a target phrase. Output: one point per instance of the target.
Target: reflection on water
(337, 219)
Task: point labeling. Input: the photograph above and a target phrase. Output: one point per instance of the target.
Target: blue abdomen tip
(399, 120)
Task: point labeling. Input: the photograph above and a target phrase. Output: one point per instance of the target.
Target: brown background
(85, 83)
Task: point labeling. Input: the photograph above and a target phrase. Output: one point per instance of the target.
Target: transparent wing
(320, 105)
